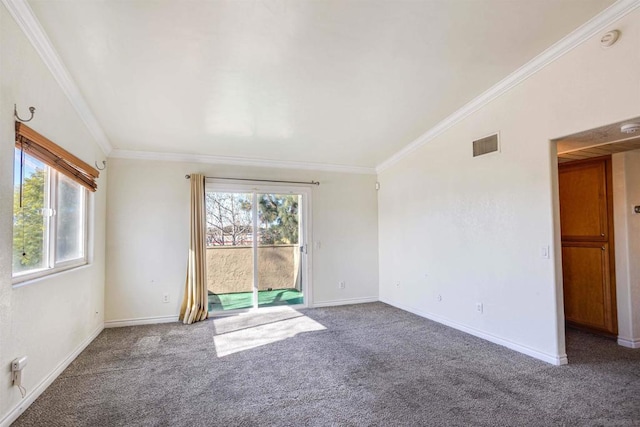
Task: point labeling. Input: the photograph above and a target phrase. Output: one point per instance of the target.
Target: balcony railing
(230, 268)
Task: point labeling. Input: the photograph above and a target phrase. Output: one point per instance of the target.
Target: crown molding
(238, 161)
(29, 24)
(565, 45)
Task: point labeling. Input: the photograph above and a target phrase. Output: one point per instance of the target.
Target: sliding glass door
(256, 247)
(279, 249)
(229, 250)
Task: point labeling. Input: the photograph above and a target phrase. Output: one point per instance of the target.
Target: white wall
(50, 319)
(471, 230)
(148, 234)
(626, 181)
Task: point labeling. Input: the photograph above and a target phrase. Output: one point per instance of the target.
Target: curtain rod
(258, 180)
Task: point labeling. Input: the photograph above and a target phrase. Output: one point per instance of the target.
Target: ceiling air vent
(486, 145)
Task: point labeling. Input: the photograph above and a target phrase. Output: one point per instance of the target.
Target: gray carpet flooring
(359, 365)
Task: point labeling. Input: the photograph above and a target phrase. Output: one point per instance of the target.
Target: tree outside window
(229, 219)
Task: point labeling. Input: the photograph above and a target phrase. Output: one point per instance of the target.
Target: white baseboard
(629, 342)
(558, 360)
(346, 301)
(140, 321)
(46, 382)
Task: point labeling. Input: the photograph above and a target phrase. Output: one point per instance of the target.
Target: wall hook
(104, 165)
(32, 110)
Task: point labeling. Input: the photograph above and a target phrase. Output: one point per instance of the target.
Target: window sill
(38, 276)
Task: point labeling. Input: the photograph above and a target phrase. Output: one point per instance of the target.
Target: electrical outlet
(342, 284)
(479, 307)
(397, 284)
(165, 298)
(439, 298)
(19, 364)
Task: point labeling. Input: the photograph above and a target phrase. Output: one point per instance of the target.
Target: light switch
(544, 252)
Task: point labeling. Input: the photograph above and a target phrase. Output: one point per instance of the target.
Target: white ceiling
(345, 82)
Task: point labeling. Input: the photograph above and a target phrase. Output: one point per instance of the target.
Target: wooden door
(586, 219)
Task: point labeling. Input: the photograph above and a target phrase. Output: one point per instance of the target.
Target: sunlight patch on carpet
(254, 335)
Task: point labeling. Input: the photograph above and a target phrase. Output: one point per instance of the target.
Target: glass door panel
(230, 253)
(255, 249)
(280, 244)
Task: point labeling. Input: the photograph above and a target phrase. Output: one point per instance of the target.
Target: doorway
(588, 262)
(257, 247)
(616, 141)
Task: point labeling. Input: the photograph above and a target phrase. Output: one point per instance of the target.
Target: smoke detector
(608, 39)
(630, 128)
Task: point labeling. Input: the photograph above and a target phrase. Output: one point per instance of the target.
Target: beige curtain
(194, 304)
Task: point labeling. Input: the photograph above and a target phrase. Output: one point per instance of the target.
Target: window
(49, 208)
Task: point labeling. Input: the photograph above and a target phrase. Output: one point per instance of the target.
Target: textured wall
(626, 195)
(46, 319)
(150, 201)
(230, 268)
(455, 230)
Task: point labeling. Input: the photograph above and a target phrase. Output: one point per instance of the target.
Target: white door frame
(305, 236)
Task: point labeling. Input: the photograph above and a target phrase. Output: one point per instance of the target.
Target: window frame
(54, 225)
(49, 238)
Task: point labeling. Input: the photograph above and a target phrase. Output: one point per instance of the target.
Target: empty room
(320, 212)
